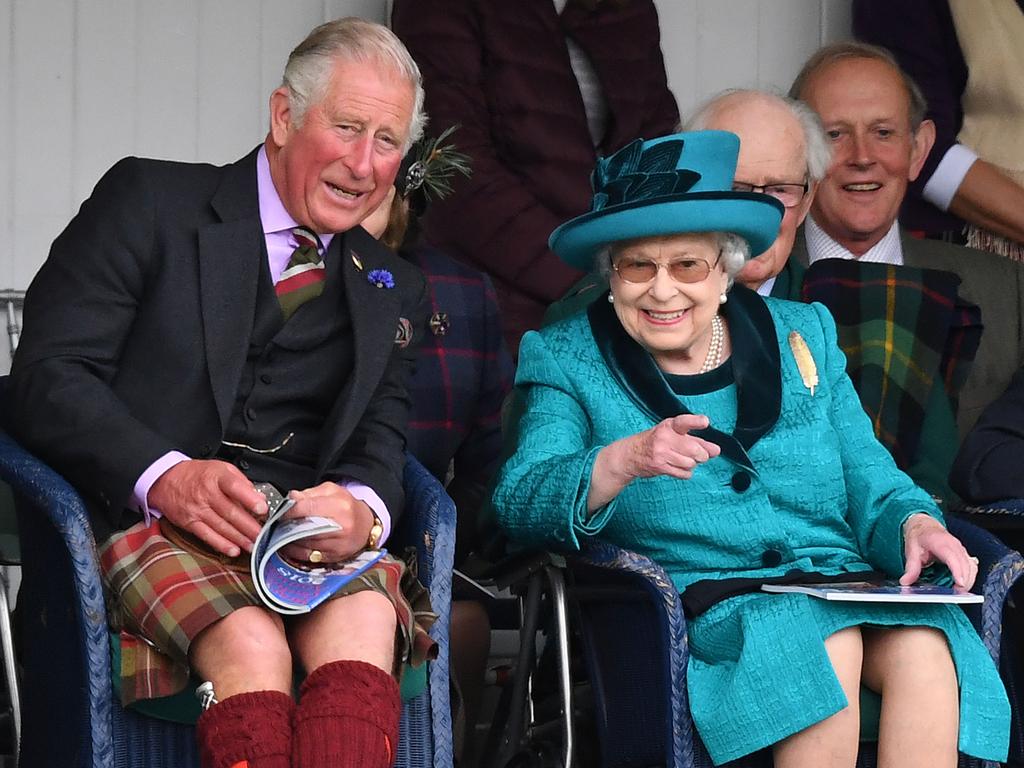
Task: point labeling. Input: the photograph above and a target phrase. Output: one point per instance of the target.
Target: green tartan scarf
(904, 331)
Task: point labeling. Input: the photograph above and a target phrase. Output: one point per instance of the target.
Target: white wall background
(85, 82)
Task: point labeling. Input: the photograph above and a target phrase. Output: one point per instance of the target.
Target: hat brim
(752, 216)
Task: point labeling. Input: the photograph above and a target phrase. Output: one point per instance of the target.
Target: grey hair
(307, 74)
(853, 49)
(817, 150)
(735, 252)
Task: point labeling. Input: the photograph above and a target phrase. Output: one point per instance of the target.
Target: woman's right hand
(668, 448)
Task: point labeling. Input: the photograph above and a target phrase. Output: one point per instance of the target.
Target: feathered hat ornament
(429, 167)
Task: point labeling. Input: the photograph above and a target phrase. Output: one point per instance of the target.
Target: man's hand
(331, 500)
(212, 500)
(925, 541)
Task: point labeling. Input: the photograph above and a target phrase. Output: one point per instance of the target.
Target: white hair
(817, 150)
(307, 74)
(734, 249)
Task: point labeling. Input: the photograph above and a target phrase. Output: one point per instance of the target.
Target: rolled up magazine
(288, 588)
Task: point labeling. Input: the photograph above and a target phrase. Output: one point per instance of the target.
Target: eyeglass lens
(680, 270)
(787, 194)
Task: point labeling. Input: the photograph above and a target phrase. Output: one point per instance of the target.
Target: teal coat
(801, 484)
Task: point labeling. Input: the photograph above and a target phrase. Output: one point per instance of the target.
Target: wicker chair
(70, 715)
(634, 638)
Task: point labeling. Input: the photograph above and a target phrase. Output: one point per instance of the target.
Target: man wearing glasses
(783, 153)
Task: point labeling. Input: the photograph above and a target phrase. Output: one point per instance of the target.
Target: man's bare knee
(362, 627)
(246, 650)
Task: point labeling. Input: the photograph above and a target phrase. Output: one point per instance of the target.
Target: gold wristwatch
(376, 531)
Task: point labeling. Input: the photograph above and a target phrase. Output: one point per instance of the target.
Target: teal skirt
(759, 671)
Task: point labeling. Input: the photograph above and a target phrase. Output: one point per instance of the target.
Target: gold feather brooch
(804, 361)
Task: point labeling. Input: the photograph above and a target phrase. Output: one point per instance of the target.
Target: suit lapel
(912, 255)
(799, 253)
(229, 273)
(789, 281)
(374, 315)
(757, 366)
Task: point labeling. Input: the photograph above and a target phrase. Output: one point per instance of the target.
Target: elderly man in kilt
(197, 329)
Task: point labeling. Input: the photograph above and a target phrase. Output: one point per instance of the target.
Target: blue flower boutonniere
(381, 278)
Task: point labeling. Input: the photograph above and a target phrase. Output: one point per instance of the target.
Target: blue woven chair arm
(429, 522)
(597, 554)
(49, 493)
(1004, 508)
(1000, 567)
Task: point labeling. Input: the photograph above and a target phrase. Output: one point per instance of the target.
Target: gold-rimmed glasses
(683, 270)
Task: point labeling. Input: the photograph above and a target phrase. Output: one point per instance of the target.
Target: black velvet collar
(755, 360)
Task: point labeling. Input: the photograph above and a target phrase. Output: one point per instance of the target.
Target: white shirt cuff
(949, 173)
(140, 496)
(367, 494)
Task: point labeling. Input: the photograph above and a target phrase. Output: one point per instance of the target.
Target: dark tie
(303, 278)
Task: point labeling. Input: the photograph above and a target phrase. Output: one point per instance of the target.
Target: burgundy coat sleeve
(493, 219)
(501, 70)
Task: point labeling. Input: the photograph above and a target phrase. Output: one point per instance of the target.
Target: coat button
(243, 464)
(771, 558)
(740, 481)
(266, 378)
(250, 413)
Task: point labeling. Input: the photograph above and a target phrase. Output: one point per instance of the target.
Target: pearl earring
(611, 299)
(722, 298)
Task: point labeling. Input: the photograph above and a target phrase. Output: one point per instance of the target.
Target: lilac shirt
(277, 231)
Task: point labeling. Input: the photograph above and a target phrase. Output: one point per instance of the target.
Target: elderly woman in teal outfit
(717, 432)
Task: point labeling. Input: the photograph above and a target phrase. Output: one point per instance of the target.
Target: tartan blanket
(904, 331)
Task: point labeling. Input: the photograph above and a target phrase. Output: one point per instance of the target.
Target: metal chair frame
(13, 300)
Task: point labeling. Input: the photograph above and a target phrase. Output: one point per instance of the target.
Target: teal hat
(672, 185)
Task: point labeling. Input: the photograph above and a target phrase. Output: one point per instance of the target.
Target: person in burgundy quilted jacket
(540, 89)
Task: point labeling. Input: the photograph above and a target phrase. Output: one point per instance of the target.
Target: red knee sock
(248, 730)
(347, 717)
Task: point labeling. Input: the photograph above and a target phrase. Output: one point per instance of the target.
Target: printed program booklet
(287, 588)
(879, 592)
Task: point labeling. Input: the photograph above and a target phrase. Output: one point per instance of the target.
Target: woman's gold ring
(316, 556)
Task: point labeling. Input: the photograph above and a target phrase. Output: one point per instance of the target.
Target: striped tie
(303, 278)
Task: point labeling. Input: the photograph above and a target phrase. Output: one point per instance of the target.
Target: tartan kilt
(160, 596)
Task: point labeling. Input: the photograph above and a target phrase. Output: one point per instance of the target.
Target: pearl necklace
(713, 359)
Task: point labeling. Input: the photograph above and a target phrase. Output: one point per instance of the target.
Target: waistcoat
(293, 373)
